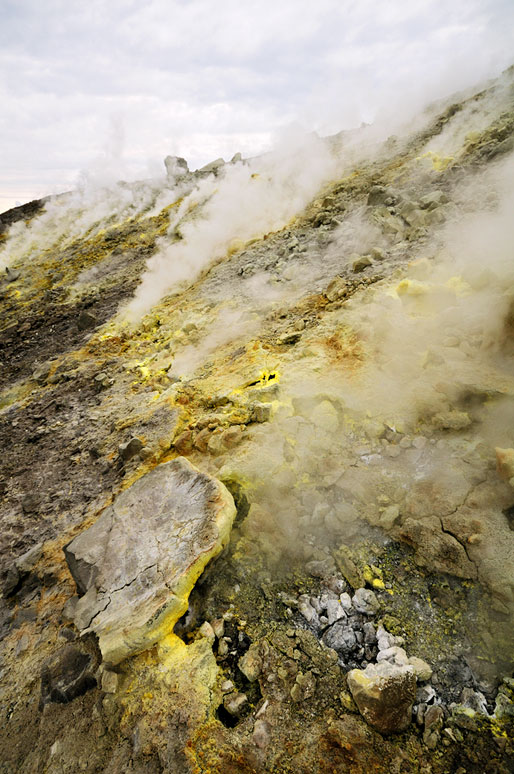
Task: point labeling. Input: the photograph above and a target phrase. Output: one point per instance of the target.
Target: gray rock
(11, 581)
(370, 635)
(306, 609)
(365, 601)
(395, 655)
(384, 695)
(130, 449)
(340, 637)
(361, 263)
(235, 703)
(433, 200)
(474, 700)
(26, 561)
(176, 167)
(262, 412)
(66, 675)
(251, 663)
(213, 167)
(433, 721)
(335, 611)
(137, 564)
(12, 274)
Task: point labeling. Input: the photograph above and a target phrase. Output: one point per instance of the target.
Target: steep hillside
(258, 460)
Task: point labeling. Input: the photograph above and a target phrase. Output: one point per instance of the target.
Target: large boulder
(384, 694)
(136, 566)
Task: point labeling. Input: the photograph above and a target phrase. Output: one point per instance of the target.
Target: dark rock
(86, 320)
(11, 581)
(66, 675)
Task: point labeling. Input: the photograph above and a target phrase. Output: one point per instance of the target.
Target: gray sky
(110, 87)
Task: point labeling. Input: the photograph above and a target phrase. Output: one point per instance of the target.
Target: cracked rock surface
(138, 562)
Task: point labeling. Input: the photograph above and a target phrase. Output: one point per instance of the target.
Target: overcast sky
(121, 83)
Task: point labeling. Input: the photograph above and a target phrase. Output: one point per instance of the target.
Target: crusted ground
(286, 369)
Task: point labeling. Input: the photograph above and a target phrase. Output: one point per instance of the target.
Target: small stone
(389, 517)
(305, 608)
(335, 611)
(340, 637)
(110, 681)
(227, 686)
(336, 289)
(377, 254)
(451, 420)
(474, 700)
(304, 687)
(183, 443)
(223, 648)
(370, 635)
(433, 200)
(130, 449)
(425, 694)
(176, 167)
(12, 274)
(347, 701)
(422, 670)
(235, 703)
(365, 601)
(361, 263)
(261, 734)
(207, 631)
(218, 627)
(433, 721)
(394, 655)
(505, 463)
(348, 568)
(41, 373)
(11, 582)
(66, 675)
(346, 601)
(86, 320)
(251, 663)
(262, 412)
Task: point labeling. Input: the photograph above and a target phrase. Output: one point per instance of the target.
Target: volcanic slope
(326, 334)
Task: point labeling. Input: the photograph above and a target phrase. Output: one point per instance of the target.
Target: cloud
(205, 80)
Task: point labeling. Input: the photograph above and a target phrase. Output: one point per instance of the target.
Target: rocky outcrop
(136, 566)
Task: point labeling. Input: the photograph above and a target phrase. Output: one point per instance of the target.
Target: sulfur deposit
(257, 450)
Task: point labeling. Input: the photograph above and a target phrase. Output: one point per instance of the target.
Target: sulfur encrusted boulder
(384, 694)
(136, 566)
